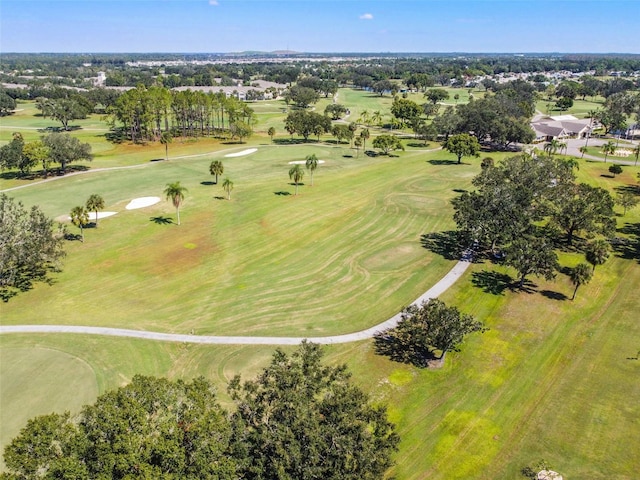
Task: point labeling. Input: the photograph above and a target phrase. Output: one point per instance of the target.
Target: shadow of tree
(628, 248)
(442, 162)
(219, 198)
(161, 220)
(527, 286)
(207, 183)
(292, 141)
(116, 135)
(14, 175)
(60, 129)
(553, 295)
(445, 244)
(77, 168)
(402, 351)
(491, 282)
(634, 189)
(282, 194)
(73, 237)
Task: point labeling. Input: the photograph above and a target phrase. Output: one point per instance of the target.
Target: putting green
(37, 381)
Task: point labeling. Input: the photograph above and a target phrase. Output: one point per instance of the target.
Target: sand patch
(248, 151)
(303, 162)
(142, 202)
(92, 215)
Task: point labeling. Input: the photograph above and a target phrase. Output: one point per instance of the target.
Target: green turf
(580, 107)
(37, 380)
(331, 260)
(552, 379)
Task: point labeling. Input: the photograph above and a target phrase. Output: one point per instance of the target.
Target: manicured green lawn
(341, 256)
(37, 380)
(580, 107)
(552, 378)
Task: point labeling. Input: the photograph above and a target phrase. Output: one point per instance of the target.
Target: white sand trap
(302, 162)
(92, 215)
(142, 202)
(248, 151)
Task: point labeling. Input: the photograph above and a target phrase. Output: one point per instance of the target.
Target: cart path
(445, 282)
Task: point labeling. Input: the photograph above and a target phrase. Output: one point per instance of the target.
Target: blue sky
(320, 25)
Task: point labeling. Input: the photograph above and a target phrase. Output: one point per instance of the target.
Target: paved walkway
(573, 148)
(445, 282)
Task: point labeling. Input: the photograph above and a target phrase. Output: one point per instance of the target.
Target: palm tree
(296, 174)
(272, 133)
(592, 115)
(95, 203)
(364, 117)
(357, 143)
(175, 192)
(636, 153)
(580, 275)
(598, 252)
(312, 164)
(165, 139)
(216, 168)
(376, 117)
(562, 146)
(228, 186)
(80, 218)
(583, 150)
(552, 147)
(364, 135)
(608, 148)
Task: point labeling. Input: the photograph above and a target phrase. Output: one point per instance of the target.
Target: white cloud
(213, 2)
(366, 16)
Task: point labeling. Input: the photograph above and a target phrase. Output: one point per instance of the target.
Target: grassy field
(551, 379)
(262, 251)
(580, 107)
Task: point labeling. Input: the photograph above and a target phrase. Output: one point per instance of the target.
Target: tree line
(297, 419)
(145, 113)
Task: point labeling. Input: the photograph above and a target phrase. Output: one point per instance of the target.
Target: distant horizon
(350, 53)
(360, 26)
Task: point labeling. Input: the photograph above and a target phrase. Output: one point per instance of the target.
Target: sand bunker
(302, 162)
(92, 215)
(142, 202)
(248, 151)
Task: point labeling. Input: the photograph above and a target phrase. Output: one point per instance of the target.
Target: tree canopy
(307, 123)
(65, 149)
(31, 249)
(299, 419)
(387, 143)
(302, 419)
(463, 145)
(302, 96)
(425, 329)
